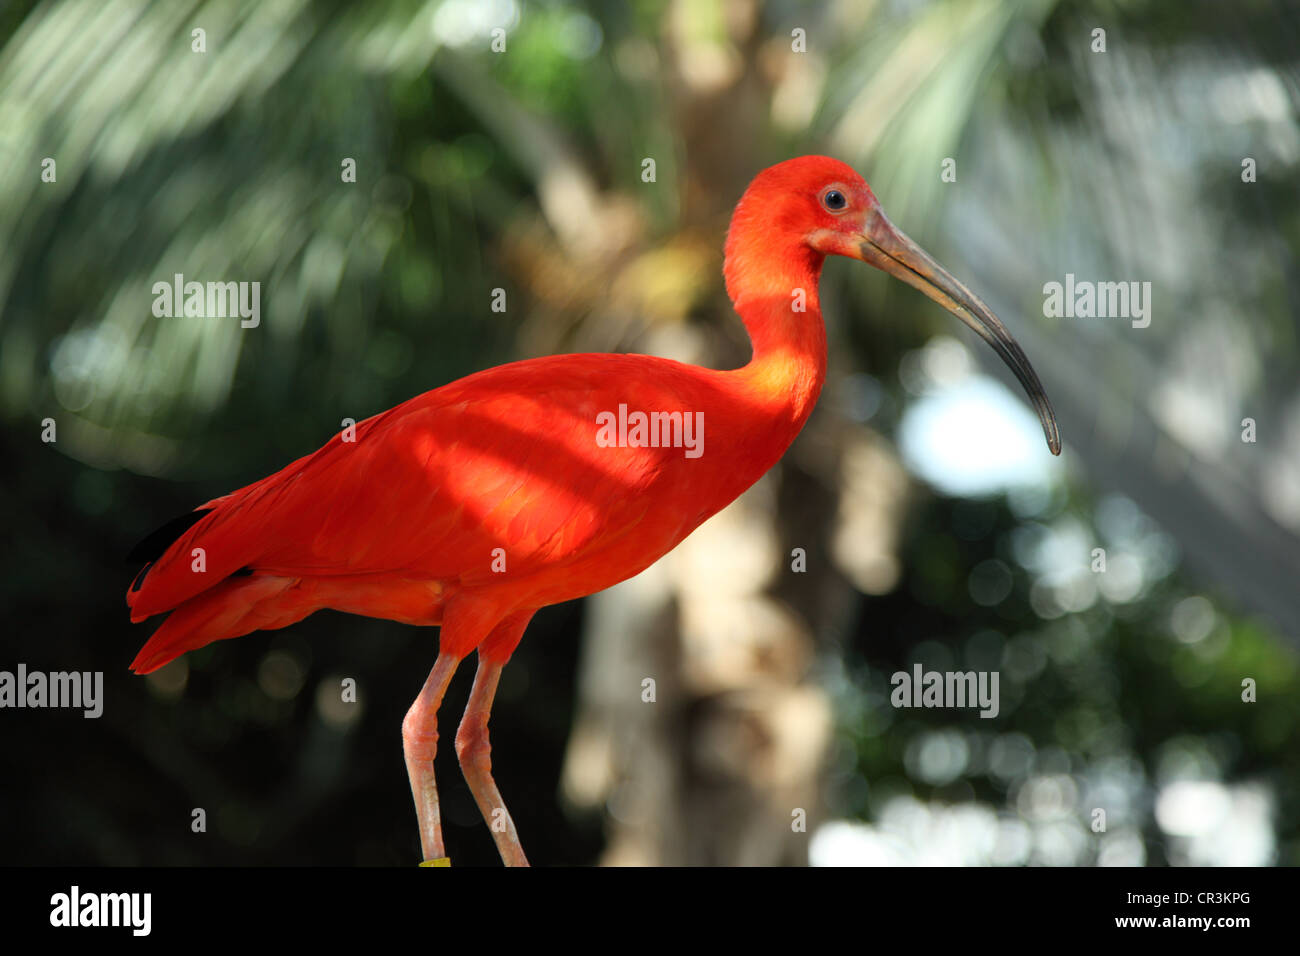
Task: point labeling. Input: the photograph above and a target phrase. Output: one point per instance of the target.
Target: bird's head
(820, 206)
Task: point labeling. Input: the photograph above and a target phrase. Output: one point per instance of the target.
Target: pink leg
(420, 743)
(474, 751)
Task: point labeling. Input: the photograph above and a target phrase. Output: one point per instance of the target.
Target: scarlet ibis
(475, 504)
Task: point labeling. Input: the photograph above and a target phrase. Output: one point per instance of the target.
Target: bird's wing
(504, 459)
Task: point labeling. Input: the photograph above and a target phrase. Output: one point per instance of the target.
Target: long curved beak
(888, 249)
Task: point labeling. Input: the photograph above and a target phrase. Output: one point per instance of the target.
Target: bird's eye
(834, 200)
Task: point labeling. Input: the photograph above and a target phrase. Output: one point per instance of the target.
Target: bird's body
(473, 505)
(490, 493)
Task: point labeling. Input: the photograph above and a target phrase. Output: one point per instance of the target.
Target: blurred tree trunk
(720, 761)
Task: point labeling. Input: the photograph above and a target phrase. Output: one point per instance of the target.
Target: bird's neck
(775, 294)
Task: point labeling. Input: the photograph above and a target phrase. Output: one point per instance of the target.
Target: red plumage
(404, 521)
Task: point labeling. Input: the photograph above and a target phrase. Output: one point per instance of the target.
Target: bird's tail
(233, 608)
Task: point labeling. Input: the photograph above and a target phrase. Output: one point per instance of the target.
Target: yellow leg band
(440, 861)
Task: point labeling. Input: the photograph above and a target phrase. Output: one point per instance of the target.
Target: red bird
(471, 506)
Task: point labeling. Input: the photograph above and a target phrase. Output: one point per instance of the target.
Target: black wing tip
(154, 546)
(139, 578)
